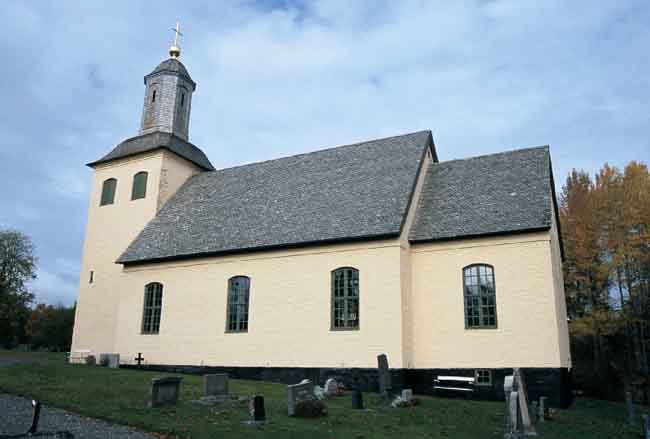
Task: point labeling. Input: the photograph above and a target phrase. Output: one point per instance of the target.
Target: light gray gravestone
(542, 408)
(534, 410)
(165, 391)
(297, 393)
(215, 384)
(407, 395)
(514, 429)
(385, 385)
(331, 387)
(109, 360)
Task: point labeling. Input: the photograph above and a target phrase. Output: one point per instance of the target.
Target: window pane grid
(345, 300)
(152, 308)
(480, 297)
(238, 300)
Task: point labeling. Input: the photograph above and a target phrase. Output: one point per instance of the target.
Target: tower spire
(175, 49)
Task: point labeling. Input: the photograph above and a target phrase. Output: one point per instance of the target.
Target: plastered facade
(411, 297)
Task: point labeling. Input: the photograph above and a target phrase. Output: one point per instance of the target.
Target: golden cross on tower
(175, 49)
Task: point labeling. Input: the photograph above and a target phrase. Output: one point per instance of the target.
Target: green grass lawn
(122, 395)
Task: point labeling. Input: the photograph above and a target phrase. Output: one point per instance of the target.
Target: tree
(606, 228)
(17, 268)
(51, 327)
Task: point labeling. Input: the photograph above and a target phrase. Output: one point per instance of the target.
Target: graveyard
(123, 396)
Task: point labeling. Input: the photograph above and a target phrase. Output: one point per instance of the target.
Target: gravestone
(215, 384)
(139, 359)
(258, 410)
(165, 391)
(331, 387)
(542, 409)
(534, 411)
(91, 360)
(631, 416)
(385, 385)
(297, 393)
(528, 427)
(357, 399)
(109, 360)
(407, 395)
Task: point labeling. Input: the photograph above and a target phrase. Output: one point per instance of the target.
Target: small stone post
(542, 408)
(646, 426)
(631, 416)
(534, 411)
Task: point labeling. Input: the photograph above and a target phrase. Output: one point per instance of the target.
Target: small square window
(483, 377)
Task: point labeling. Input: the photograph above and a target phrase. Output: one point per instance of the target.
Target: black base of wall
(554, 383)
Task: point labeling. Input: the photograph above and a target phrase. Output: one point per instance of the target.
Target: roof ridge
(322, 150)
(511, 151)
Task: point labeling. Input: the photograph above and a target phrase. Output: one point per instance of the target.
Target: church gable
(487, 195)
(353, 192)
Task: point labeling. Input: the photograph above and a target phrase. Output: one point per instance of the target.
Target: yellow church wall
(109, 230)
(527, 295)
(289, 311)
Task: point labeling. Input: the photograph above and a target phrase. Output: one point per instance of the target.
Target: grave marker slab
(385, 385)
(165, 391)
(109, 360)
(215, 384)
(297, 393)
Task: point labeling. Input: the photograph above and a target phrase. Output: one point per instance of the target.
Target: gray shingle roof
(358, 191)
(492, 194)
(173, 66)
(153, 141)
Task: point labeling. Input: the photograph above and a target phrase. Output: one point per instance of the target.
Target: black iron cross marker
(139, 359)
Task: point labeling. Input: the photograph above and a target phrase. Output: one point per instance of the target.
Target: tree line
(605, 223)
(22, 322)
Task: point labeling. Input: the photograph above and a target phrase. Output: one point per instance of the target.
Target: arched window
(108, 192)
(345, 298)
(139, 189)
(480, 296)
(153, 96)
(238, 299)
(153, 295)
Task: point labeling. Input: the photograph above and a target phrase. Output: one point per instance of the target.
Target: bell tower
(168, 95)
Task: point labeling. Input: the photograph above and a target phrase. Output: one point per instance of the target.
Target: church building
(313, 265)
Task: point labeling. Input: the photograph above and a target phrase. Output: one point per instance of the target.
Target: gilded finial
(175, 49)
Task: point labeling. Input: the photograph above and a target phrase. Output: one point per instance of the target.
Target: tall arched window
(153, 295)
(108, 192)
(238, 299)
(139, 189)
(480, 296)
(345, 298)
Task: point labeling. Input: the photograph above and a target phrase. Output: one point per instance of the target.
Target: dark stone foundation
(554, 383)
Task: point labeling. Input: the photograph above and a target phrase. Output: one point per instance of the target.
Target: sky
(278, 78)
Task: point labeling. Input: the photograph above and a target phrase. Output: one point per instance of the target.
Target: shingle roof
(492, 194)
(173, 66)
(153, 141)
(358, 191)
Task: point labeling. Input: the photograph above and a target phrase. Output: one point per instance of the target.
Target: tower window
(139, 189)
(153, 96)
(182, 99)
(91, 279)
(108, 192)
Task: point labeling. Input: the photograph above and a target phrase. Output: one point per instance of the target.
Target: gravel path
(16, 417)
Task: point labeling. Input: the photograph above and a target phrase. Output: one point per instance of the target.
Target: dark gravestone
(385, 385)
(165, 391)
(215, 384)
(91, 360)
(259, 413)
(357, 399)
